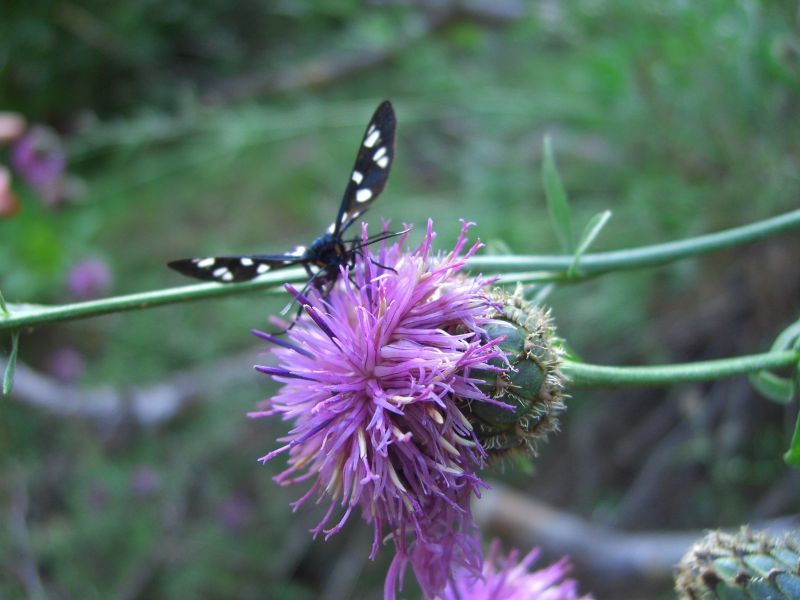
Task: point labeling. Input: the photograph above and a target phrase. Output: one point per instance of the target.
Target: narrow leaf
(557, 204)
(542, 294)
(8, 376)
(772, 387)
(3, 307)
(792, 455)
(590, 233)
(788, 337)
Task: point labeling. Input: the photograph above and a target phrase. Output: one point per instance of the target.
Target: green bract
(746, 566)
(530, 381)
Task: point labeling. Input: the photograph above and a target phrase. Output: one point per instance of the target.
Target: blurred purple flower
(503, 578)
(98, 497)
(236, 513)
(144, 481)
(90, 278)
(40, 160)
(371, 375)
(66, 364)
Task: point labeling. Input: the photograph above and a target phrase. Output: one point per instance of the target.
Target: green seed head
(746, 566)
(530, 381)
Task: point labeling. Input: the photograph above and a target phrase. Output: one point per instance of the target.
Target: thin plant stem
(643, 256)
(588, 375)
(549, 267)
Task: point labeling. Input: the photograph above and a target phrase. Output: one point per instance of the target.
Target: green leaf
(772, 387)
(541, 294)
(557, 204)
(792, 455)
(590, 233)
(8, 376)
(788, 337)
(3, 307)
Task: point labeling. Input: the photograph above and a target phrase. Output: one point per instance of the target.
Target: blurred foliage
(681, 118)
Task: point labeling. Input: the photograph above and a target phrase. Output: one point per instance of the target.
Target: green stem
(26, 315)
(644, 256)
(586, 375)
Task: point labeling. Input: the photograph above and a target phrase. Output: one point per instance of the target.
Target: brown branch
(26, 563)
(144, 406)
(326, 70)
(606, 560)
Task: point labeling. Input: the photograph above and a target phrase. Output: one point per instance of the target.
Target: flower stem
(555, 267)
(28, 315)
(644, 256)
(586, 375)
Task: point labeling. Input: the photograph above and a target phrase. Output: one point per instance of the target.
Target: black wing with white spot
(371, 170)
(230, 269)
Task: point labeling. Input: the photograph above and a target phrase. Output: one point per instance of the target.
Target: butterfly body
(325, 255)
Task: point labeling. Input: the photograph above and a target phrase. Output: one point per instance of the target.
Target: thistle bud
(746, 565)
(529, 381)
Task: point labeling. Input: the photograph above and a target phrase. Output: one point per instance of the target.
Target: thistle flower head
(744, 564)
(89, 278)
(39, 157)
(505, 578)
(371, 379)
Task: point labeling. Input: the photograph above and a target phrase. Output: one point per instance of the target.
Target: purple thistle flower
(370, 377)
(503, 578)
(89, 278)
(40, 160)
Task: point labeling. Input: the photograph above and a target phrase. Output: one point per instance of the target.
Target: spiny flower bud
(529, 382)
(746, 566)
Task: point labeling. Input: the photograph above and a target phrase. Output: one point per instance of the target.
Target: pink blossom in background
(371, 375)
(88, 279)
(507, 578)
(9, 205)
(12, 126)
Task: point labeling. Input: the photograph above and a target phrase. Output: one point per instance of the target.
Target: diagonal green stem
(27, 315)
(555, 267)
(586, 375)
(644, 256)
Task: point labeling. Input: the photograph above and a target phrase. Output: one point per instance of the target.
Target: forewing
(371, 169)
(231, 269)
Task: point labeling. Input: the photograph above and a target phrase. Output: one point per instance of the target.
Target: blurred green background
(225, 127)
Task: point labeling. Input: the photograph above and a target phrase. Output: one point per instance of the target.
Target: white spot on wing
(204, 263)
(298, 251)
(246, 262)
(383, 162)
(262, 268)
(357, 177)
(223, 273)
(363, 195)
(331, 227)
(379, 153)
(372, 139)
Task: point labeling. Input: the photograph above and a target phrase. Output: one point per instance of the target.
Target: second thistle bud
(746, 565)
(529, 381)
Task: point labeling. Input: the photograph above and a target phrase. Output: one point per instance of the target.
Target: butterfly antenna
(379, 237)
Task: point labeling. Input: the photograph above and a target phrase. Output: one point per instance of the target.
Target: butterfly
(322, 258)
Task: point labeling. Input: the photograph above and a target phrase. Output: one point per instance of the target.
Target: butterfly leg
(311, 281)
